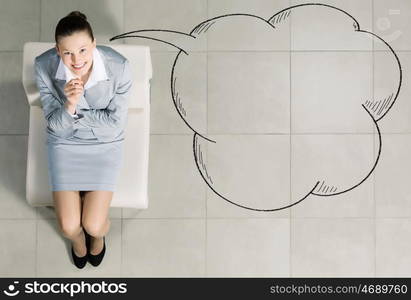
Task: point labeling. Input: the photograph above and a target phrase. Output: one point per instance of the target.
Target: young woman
(84, 92)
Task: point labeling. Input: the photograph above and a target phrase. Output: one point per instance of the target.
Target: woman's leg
(95, 218)
(67, 205)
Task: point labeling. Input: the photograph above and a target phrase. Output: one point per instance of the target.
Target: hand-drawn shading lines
(376, 109)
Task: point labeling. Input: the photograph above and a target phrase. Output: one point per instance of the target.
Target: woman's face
(76, 51)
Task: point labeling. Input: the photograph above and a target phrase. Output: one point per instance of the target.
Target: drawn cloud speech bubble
(306, 122)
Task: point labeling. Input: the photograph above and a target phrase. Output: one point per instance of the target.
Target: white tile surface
(165, 118)
(248, 92)
(14, 34)
(387, 83)
(13, 203)
(18, 246)
(190, 92)
(327, 90)
(330, 26)
(392, 23)
(240, 175)
(341, 161)
(163, 248)
(393, 248)
(251, 19)
(358, 202)
(180, 15)
(14, 110)
(262, 8)
(392, 194)
(332, 247)
(248, 247)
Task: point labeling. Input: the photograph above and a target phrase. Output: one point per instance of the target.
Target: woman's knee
(96, 228)
(67, 205)
(70, 228)
(95, 216)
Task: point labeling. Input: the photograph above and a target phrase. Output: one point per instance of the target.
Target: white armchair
(132, 187)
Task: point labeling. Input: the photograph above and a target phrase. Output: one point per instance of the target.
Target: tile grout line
(290, 108)
(124, 19)
(206, 225)
(121, 244)
(41, 7)
(206, 149)
(373, 143)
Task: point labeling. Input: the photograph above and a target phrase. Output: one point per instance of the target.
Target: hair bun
(77, 13)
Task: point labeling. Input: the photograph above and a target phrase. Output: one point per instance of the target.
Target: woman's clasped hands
(73, 91)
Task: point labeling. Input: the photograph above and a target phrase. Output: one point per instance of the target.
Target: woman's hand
(73, 91)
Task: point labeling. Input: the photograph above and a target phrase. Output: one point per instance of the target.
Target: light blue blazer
(103, 107)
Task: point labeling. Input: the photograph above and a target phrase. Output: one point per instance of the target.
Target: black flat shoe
(95, 260)
(80, 262)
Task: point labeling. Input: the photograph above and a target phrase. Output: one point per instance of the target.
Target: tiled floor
(284, 107)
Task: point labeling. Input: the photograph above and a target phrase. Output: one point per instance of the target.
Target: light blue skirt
(82, 163)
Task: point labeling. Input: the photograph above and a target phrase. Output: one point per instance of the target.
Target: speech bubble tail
(162, 35)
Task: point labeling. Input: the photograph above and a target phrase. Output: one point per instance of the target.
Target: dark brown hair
(73, 22)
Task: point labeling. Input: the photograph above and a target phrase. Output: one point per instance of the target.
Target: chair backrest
(139, 57)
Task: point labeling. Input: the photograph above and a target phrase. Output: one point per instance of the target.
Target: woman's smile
(79, 66)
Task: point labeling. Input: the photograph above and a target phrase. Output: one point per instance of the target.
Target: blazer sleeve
(115, 114)
(59, 120)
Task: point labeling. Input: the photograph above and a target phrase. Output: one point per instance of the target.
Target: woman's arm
(56, 114)
(115, 114)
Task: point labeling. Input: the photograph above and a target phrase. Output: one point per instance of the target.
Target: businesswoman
(84, 92)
